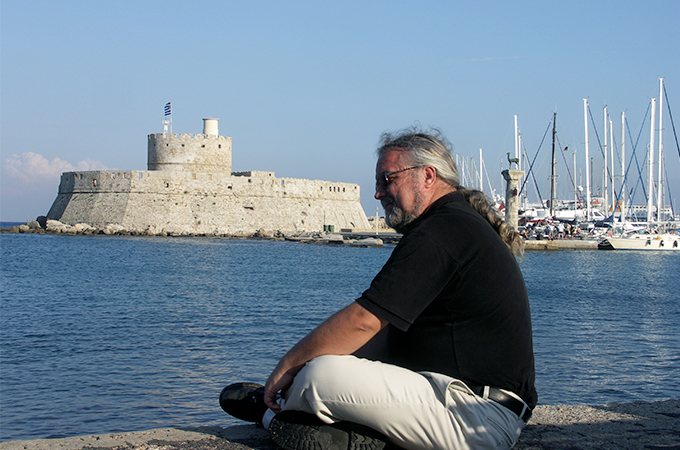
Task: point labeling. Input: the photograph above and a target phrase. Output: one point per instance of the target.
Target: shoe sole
(339, 436)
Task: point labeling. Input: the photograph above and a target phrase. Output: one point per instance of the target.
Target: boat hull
(656, 242)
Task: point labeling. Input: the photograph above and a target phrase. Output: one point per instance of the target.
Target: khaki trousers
(415, 410)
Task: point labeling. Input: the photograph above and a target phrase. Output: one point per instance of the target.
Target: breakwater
(561, 244)
(366, 237)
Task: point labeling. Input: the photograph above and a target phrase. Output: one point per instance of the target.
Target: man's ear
(430, 174)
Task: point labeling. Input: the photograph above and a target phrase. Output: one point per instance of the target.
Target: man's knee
(321, 378)
(326, 367)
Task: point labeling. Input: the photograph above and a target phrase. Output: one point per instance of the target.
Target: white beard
(398, 218)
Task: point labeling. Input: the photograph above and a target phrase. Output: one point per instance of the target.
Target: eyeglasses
(384, 178)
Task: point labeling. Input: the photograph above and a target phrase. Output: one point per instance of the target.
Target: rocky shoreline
(42, 225)
(365, 238)
(618, 426)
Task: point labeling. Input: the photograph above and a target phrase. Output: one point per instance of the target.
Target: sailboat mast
(585, 120)
(650, 200)
(623, 166)
(518, 154)
(481, 166)
(605, 183)
(521, 146)
(659, 195)
(575, 184)
(552, 173)
(611, 151)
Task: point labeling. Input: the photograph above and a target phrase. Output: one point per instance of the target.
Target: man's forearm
(341, 334)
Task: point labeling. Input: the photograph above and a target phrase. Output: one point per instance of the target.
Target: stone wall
(189, 152)
(204, 202)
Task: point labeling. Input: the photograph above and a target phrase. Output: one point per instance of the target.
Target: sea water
(110, 334)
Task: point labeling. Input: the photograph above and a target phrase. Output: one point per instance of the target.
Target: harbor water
(103, 334)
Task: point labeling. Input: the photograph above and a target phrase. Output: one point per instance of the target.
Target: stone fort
(189, 188)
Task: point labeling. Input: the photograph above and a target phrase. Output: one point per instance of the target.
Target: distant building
(189, 189)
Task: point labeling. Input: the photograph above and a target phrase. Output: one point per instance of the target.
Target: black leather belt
(517, 406)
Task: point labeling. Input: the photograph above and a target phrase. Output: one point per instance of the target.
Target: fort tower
(207, 152)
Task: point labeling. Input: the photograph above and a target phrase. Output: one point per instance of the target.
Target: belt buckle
(507, 401)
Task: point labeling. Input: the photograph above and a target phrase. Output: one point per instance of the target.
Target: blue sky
(306, 88)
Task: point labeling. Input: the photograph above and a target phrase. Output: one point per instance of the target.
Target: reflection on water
(604, 325)
(106, 334)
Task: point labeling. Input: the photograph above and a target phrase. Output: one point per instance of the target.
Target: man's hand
(275, 384)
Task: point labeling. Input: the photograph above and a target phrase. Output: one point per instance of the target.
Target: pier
(561, 244)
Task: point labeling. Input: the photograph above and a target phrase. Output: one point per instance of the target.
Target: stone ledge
(561, 244)
(618, 426)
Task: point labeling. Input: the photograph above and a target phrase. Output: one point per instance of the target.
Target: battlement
(187, 136)
(251, 183)
(253, 173)
(189, 152)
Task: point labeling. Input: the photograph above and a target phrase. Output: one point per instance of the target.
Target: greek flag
(168, 109)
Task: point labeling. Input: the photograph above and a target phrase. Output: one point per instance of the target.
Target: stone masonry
(190, 189)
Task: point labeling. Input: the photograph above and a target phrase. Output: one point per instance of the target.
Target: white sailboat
(652, 236)
(642, 240)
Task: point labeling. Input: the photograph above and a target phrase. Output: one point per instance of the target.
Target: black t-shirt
(456, 301)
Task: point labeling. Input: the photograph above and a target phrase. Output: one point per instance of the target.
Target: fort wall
(189, 189)
(206, 203)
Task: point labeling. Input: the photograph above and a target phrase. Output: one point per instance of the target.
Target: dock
(561, 244)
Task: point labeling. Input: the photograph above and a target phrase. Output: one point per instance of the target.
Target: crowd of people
(550, 231)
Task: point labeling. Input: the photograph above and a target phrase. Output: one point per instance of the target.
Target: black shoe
(296, 430)
(244, 401)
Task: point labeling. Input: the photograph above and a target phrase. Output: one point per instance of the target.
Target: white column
(377, 220)
(512, 178)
